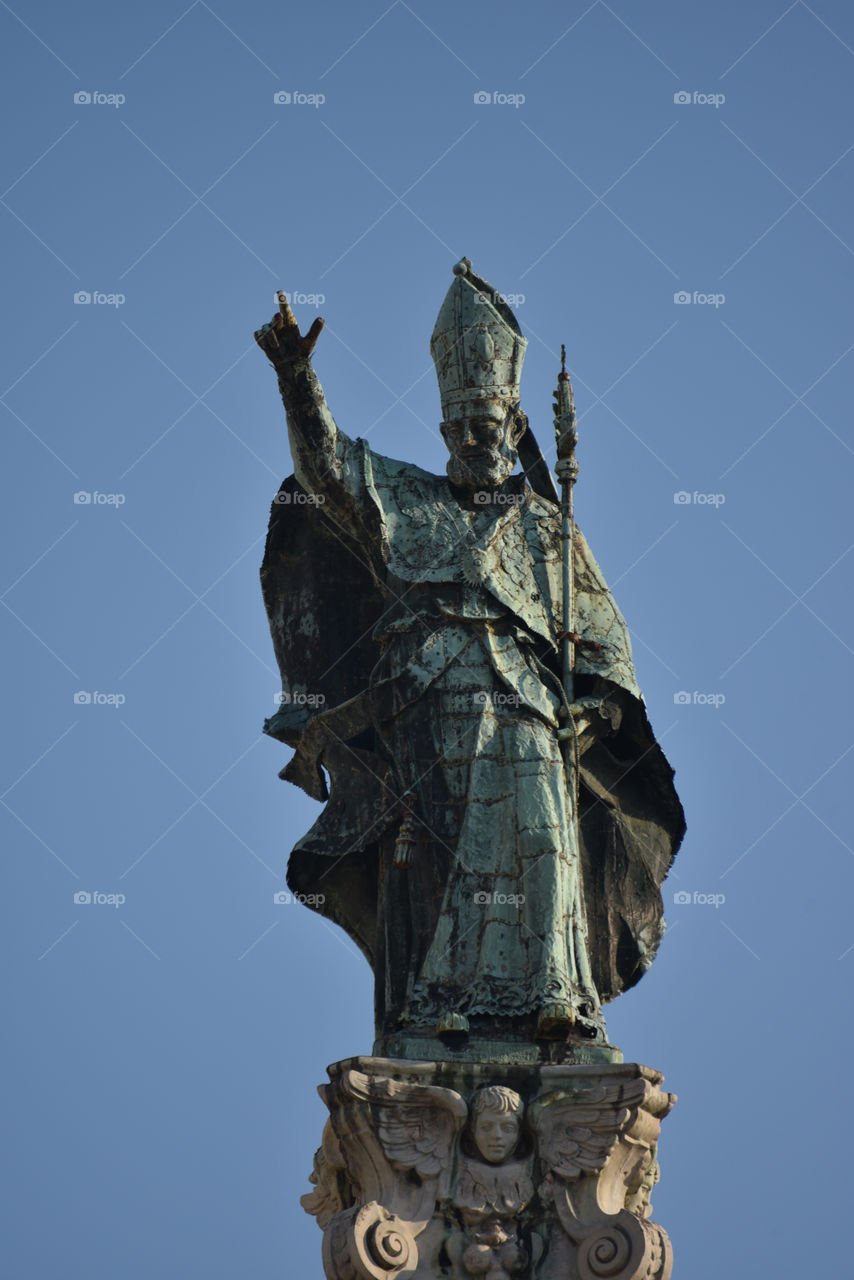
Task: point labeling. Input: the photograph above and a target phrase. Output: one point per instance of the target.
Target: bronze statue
(496, 834)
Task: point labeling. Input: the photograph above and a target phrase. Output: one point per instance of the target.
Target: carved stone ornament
(432, 1170)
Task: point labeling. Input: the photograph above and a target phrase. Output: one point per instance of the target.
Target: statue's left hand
(593, 718)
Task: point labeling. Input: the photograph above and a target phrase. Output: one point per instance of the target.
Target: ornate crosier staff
(555, 1019)
(566, 470)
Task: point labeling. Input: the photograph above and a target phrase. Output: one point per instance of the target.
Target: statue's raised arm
(317, 445)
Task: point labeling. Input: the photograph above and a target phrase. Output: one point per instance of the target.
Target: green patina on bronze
(501, 874)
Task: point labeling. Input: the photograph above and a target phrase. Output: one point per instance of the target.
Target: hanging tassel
(404, 845)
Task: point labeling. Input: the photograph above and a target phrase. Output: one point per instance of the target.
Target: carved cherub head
(496, 1121)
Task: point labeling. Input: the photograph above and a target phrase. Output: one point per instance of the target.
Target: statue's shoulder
(393, 474)
(542, 506)
(547, 515)
(543, 510)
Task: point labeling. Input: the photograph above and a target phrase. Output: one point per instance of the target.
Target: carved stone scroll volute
(368, 1243)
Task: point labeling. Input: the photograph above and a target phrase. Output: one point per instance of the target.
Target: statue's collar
(513, 493)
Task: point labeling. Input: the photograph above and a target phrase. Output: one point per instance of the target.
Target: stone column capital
(432, 1170)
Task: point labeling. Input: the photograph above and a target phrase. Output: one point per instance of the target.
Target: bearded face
(482, 443)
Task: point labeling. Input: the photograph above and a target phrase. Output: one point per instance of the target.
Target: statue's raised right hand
(281, 340)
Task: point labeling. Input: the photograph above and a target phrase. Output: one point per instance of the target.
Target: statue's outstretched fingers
(266, 339)
(310, 339)
(285, 316)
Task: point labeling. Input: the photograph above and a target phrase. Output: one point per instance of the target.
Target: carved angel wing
(417, 1124)
(417, 1137)
(578, 1130)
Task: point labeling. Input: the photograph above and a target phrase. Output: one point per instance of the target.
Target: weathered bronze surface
(494, 844)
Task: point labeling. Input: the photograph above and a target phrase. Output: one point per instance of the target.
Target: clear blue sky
(162, 1053)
